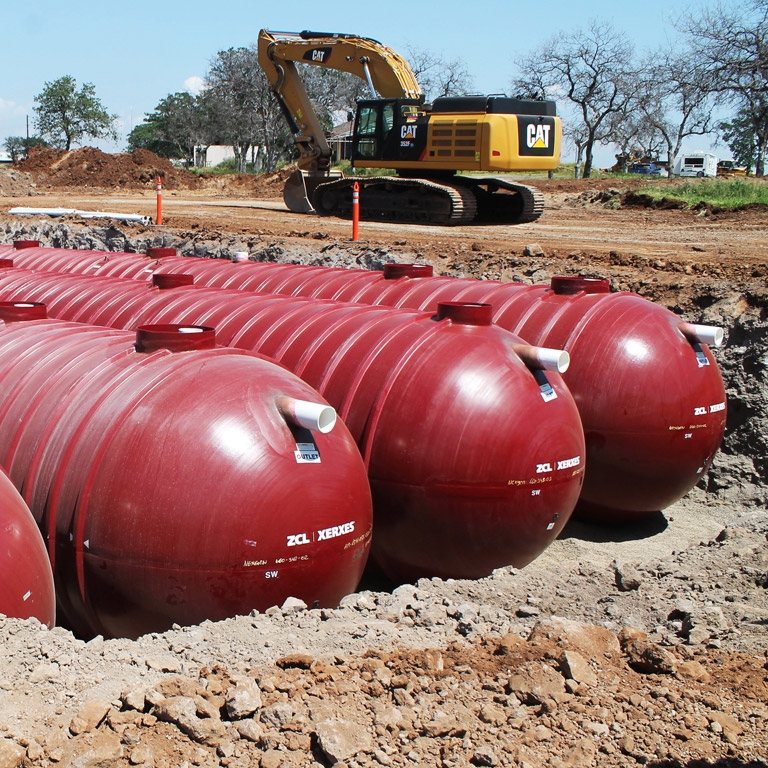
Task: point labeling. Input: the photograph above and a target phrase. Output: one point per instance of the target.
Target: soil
(644, 645)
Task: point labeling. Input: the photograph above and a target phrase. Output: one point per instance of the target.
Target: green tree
(235, 83)
(66, 115)
(181, 126)
(149, 135)
(739, 134)
(18, 146)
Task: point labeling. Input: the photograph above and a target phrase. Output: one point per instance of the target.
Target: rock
(342, 739)
(11, 754)
(89, 717)
(249, 730)
(644, 656)
(293, 605)
(536, 682)
(135, 699)
(485, 756)
(533, 249)
(242, 700)
(581, 755)
(277, 715)
(730, 727)
(693, 670)
(295, 661)
(182, 712)
(575, 667)
(628, 578)
(591, 640)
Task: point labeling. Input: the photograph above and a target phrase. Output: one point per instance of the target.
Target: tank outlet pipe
(711, 335)
(543, 358)
(318, 417)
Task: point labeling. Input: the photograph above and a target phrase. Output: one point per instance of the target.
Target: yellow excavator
(425, 144)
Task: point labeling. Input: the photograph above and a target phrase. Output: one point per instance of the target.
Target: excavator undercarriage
(462, 200)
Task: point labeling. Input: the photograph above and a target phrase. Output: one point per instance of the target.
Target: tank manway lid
(164, 282)
(174, 338)
(465, 313)
(567, 286)
(160, 253)
(396, 271)
(19, 244)
(19, 311)
(6, 263)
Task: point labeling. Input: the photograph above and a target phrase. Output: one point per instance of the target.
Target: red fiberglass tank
(474, 451)
(173, 480)
(26, 579)
(649, 391)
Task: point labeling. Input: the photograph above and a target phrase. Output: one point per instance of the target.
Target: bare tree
(675, 98)
(731, 45)
(636, 137)
(438, 76)
(593, 69)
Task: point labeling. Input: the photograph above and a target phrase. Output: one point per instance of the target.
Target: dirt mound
(90, 167)
(263, 186)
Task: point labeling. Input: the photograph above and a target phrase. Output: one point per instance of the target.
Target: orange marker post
(356, 211)
(159, 200)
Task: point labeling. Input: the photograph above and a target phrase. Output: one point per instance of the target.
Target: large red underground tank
(176, 481)
(649, 392)
(26, 579)
(474, 451)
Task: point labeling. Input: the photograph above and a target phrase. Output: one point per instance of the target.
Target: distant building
(340, 139)
(217, 154)
(5, 157)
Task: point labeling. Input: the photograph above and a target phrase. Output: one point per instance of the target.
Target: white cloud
(194, 85)
(10, 108)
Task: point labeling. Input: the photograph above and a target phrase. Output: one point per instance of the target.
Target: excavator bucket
(299, 188)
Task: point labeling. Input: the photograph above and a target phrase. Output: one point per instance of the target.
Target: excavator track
(500, 201)
(464, 200)
(392, 198)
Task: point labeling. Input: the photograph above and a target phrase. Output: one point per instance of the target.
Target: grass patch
(720, 193)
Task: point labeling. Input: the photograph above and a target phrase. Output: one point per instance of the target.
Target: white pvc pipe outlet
(543, 358)
(318, 417)
(82, 214)
(704, 334)
(241, 256)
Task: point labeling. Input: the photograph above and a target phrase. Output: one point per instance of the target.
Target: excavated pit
(543, 666)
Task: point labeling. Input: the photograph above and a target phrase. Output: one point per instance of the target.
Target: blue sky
(136, 53)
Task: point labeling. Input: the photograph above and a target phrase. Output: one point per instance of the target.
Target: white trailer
(695, 164)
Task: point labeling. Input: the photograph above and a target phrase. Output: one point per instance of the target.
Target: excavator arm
(385, 71)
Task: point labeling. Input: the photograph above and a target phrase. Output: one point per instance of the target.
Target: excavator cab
(389, 130)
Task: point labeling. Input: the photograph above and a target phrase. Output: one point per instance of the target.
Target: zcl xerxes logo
(536, 136)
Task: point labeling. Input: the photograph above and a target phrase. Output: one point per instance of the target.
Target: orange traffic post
(159, 200)
(356, 211)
